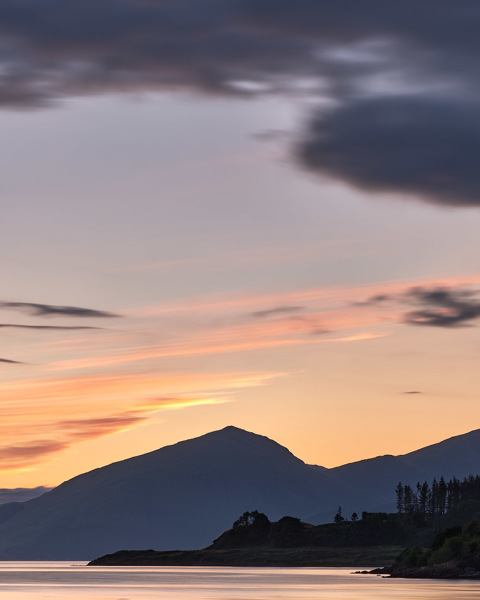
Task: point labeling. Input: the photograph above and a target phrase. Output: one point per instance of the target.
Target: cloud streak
(42, 310)
(277, 310)
(231, 325)
(20, 456)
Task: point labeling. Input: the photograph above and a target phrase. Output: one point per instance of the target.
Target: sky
(233, 212)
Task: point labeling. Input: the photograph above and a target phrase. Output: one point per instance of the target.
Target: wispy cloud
(277, 310)
(42, 310)
(45, 416)
(8, 361)
(322, 297)
(13, 457)
(210, 326)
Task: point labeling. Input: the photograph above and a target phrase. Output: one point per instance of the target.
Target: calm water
(42, 580)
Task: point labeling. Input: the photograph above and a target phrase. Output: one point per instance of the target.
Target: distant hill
(185, 495)
(376, 478)
(21, 494)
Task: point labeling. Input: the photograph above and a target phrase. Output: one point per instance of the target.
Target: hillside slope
(376, 478)
(180, 496)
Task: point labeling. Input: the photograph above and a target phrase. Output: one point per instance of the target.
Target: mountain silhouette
(185, 495)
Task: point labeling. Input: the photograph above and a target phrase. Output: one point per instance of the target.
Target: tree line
(436, 498)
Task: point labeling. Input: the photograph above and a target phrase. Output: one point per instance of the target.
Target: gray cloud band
(434, 307)
(443, 307)
(51, 309)
(383, 65)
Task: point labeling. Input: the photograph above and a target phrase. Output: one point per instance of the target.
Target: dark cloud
(433, 306)
(383, 64)
(50, 309)
(10, 362)
(277, 310)
(442, 307)
(412, 146)
(413, 392)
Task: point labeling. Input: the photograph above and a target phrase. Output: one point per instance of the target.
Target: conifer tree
(399, 493)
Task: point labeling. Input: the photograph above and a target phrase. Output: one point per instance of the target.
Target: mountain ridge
(185, 494)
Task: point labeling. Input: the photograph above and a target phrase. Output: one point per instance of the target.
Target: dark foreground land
(449, 570)
(413, 546)
(255, 541)
(453, 554)
(255, 557)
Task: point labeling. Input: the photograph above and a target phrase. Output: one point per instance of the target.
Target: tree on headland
(437, 498)
(249, 518)
(250, 529)
(338, 518)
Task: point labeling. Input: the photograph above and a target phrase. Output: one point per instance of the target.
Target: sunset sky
(261, 213)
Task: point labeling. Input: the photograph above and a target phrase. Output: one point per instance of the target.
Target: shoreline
(441, 571)
(374, 556)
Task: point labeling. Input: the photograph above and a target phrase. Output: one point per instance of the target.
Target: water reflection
(64, 581)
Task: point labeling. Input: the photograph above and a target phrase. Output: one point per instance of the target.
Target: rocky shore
(443, 571)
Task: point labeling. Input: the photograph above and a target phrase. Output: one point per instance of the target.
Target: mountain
(181, 496)
(185, 495)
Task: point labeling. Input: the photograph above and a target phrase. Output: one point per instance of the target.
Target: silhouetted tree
(433, 504)
(338, 518)
(442, 495)
(399, 493)
(408, 500)
(424, 493)
(248, 518)
(439, 498)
